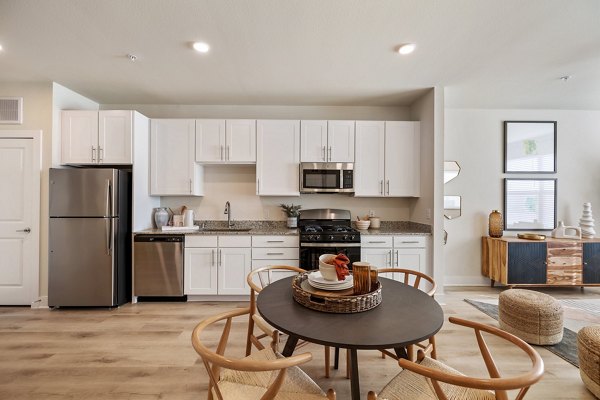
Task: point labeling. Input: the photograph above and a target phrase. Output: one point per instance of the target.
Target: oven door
(310, 253)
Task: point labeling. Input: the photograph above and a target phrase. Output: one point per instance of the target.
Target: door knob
(26, 230)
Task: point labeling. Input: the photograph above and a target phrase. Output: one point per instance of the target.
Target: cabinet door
(340, 139)
(200, 271)
(378, 258)
(79, 137)
(369, 162)
(402, 159)
(172, 167)
(234, 266)
(115, 137)
(278, 158)
(241, 140)
(526, 263)
(313, 141)
(210, 140)
(591, 263)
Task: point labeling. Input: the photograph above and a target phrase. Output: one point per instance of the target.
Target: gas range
(329, 233)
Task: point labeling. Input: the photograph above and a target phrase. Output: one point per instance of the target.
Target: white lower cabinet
(275, 250)
(217, 264)
(406, 252)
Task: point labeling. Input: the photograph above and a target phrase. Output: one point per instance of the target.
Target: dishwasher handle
(158, 238)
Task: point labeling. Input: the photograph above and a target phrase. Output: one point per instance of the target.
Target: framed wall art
(530, 147)
(529, 204)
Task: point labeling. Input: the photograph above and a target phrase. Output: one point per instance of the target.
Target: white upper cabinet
(327, 141)
(369, 166)
(278, 158)
(387, 159)
(402, 158)
(226, 141)
(173, 170)
(97, 137)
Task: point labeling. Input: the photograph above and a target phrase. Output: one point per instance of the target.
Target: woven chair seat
(535, 317)
(252, 385)
(410, 386)
(588, 350)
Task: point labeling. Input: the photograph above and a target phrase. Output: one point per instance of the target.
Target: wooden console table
(551, 262)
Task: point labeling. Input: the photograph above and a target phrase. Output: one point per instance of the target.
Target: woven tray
(340, 302)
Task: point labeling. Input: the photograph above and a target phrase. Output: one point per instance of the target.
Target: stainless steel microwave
(327, 177)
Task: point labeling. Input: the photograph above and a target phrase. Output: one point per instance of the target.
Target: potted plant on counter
(292, 213)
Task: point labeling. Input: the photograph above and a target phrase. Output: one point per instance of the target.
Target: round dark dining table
(405, 316)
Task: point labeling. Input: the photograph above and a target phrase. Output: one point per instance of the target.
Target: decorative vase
(586, 222)
(495, 224)
(292, 222)
(161, 217)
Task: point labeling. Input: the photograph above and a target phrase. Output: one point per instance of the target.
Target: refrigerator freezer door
(81, 266)
(83, 192)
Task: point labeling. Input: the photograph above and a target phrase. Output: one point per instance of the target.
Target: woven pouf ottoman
(588, 350)
(533, 316)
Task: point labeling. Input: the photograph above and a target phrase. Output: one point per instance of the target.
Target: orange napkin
(341, 266)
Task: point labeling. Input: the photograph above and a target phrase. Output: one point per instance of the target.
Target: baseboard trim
(466, 280)
(41, 302)
(218, 298)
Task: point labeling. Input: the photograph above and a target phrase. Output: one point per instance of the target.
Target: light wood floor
(143, 351)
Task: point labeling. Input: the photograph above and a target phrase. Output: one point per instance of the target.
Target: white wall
(474, 138)
(237, 184)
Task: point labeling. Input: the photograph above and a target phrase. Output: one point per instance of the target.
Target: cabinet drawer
(409, 241)
(200, 241)
(256, 264)
(283, 253)
(235, 241)
(275, 241)
(376, 241)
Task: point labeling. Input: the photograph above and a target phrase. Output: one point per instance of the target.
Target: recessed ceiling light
(201, 47)
(0, 47)
(132, 57)
(565, 78)
(407, 48)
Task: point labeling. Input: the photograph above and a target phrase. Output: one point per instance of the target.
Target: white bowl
(327, 270)
(362, 225)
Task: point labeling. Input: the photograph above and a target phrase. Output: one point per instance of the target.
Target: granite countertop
(280, 228)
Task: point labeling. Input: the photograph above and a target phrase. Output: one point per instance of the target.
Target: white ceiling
(486, 53)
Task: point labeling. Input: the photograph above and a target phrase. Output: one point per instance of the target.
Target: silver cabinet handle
(324, 156)
(274, 254)
(190, 186)
(388, 187)
(213, 257)
(220, 258)
(381, 187)
(274, 241)
(26, 230)
(100, 154)
(228, 151)
(329, 153)
(388, 258)
(410, 241)
(221, 153)
(376, 241)
(93, 153)
(396, 258)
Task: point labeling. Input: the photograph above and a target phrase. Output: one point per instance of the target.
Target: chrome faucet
(228, 212)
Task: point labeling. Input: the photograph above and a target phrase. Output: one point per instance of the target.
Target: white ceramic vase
(292, 222)
(586, 222)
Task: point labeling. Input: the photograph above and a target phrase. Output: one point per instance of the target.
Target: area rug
(566, 349)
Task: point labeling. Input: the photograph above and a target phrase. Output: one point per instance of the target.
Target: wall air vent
(11, 110)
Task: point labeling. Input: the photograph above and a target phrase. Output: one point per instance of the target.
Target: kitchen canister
(188, 218)
(161, 217)
(375, 222)
(495, 224)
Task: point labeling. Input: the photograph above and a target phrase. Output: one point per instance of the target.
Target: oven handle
(329, 245)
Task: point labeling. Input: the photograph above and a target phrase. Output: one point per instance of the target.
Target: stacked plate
(316, 280)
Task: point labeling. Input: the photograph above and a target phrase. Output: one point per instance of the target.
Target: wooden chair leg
(383, 355)
(410, 350)
(433, 351)
(327, 361)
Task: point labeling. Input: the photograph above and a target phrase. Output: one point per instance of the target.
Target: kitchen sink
(226, 230)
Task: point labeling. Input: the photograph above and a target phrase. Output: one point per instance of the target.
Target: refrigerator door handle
(108, 230)
(108, 199)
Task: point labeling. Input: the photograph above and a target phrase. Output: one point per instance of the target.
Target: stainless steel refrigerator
(89, 237)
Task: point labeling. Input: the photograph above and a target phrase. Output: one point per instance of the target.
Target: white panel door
(172, 148)
(241, 140)
(313, 141)
(402, 159)
(200, 270)
(369, 164)
(79, 137)
(234, 266)
(19, 210)
(340, 139)
(278, 158)
(210, 140)
(115, 137)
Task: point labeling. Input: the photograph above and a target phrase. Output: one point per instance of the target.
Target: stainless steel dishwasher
(158, 265)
